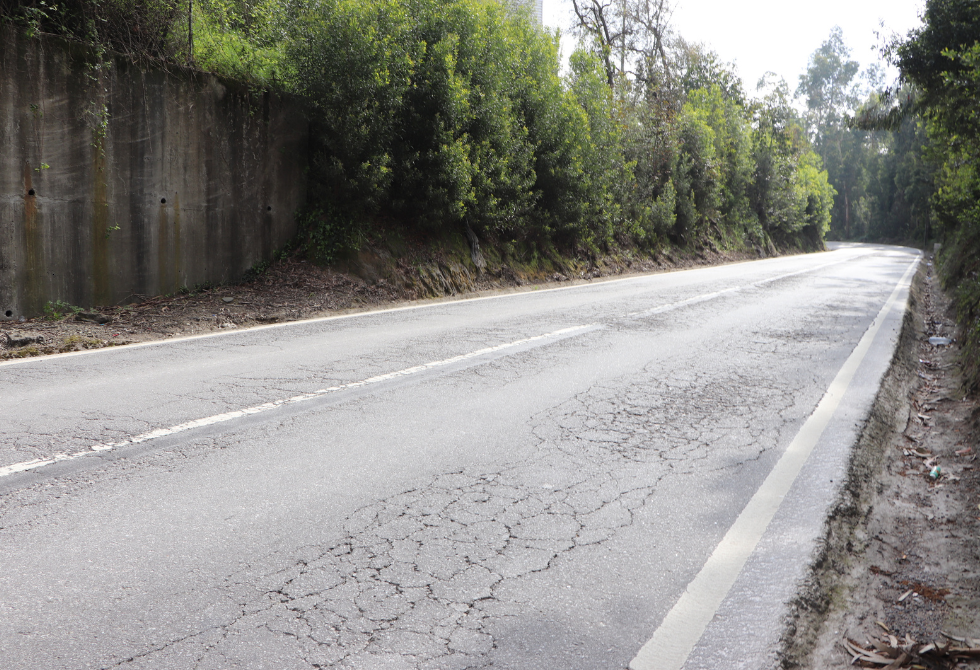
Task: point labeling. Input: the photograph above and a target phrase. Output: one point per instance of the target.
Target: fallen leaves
(917, 453)
(920, 533)
(891, 653)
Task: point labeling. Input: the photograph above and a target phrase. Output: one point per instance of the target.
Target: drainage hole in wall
(269, 208)
(31, 192)
(163, 201)
(9, 313)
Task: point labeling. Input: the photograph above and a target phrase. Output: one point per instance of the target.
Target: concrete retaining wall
(130, 180)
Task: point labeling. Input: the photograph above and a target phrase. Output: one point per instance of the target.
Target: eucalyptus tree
(833, 87)
(942, 59)
(601, 24)
(789, 192)
(630, 37)
(830, 87)
(700, 68)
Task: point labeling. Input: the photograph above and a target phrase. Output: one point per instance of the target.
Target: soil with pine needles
(908, 593)
(293, 289)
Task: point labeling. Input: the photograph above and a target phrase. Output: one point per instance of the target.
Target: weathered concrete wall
(129, 180)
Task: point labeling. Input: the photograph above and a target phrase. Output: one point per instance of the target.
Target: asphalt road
(535, 480)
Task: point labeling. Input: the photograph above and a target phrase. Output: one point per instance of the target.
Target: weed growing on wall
(58, 309)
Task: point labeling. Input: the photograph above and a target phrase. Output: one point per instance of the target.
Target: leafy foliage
(935, 141)
(59, 309)
(156, 29)
(790, 193)
(454, 115)
(942, 58)
(719, 108)
(707, 161)
(832, 88)
(696, 175)
(242, 39)
(900, 181)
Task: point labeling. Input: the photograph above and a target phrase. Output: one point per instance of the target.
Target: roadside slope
(897, 582)
(292, 289)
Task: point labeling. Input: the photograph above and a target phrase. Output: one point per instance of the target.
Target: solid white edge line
(8, 470)
(685, 623)
(429, 305)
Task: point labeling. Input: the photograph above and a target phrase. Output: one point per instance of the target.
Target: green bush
(448, 113)
(155, 29)
(242, 40)
(732, 138)
(658, 218)
(454, 115)
(696, 176)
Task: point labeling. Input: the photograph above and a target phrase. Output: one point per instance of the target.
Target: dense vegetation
(454, 115)
(448, 115)
(941, 63)
(903, 159)
(882, 177)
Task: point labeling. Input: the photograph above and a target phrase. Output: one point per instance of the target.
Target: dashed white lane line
(405, 308)
(6, 471)
(265, 407)
(685, 623)
(734, 289)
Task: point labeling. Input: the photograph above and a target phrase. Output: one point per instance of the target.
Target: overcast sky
(776, 35)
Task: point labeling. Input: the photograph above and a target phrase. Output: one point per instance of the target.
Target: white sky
(776, 35)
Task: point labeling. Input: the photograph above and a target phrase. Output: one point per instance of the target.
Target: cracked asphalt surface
(539, 507)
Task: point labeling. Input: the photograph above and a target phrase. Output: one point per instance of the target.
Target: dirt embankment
(898, 583)
(294, 289)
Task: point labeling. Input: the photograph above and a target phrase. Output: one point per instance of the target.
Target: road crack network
(424, 579)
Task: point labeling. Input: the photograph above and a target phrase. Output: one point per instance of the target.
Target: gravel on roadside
(293, 289)
(898, 583)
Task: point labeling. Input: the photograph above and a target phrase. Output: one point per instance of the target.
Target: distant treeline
(904, 158)
(452, 114)
(941, 64)
(883, 173)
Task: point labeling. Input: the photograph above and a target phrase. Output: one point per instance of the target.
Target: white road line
(804, 271)
(265, 407)
(734, 289)
(408, 308)
(685, 623)
(23, 466)
(683, 303)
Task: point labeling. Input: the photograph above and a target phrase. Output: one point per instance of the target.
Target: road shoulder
(293, 290)
(898, 570)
